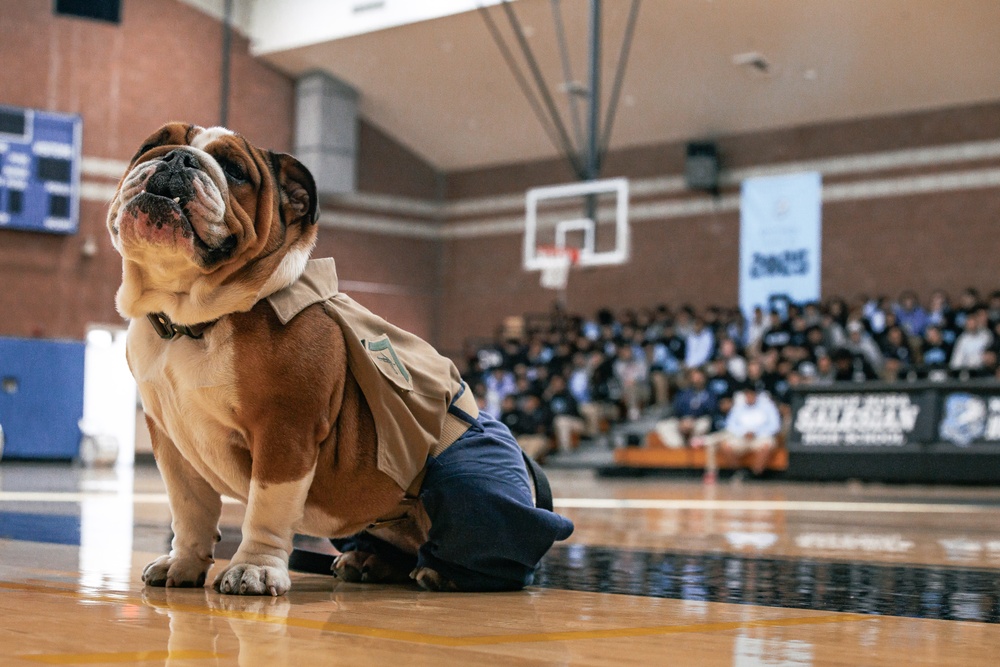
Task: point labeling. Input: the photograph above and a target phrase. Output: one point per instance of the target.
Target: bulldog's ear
(298, 190)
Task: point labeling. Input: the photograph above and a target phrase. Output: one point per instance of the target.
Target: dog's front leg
(195, 508)
(260, 566)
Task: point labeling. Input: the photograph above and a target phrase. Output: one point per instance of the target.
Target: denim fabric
(486, 533)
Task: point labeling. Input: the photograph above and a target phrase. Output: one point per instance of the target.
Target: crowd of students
(572, 376)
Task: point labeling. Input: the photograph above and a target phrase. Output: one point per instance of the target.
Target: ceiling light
(368, 6)
(753, 62)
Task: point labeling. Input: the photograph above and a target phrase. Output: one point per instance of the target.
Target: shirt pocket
(383, 356)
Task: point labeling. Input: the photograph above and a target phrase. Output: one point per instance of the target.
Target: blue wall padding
(41, 397)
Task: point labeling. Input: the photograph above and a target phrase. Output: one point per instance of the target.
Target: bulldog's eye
(234, 170)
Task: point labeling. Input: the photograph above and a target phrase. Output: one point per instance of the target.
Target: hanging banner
(780, 233)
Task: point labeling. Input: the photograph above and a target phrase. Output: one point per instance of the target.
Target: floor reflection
(262, 640)
(767, 652)
(894, 590)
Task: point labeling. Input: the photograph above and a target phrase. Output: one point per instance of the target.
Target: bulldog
(261, 381)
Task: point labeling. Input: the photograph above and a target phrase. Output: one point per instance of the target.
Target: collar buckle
(167, 330)
(162, 325)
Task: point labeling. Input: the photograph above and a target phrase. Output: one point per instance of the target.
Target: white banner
(780, 234)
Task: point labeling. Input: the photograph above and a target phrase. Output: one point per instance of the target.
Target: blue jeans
(486, 533)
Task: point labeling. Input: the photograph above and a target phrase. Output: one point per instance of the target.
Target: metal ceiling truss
(586, 154)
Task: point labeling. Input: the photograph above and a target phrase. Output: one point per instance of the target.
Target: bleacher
(853, 343)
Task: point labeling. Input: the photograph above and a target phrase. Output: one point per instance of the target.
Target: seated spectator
(605, 390)
(825, 371)
(816, 344)
(995, 344)
(757, 377)
(513, 417)
(530, 422)
(732, 325)
(798, 330)
(972, 343)
(566, 419)
(660, 372)
(676, 346)
(736, 365)
(562, 359)
(783, 393)
(699, 345)
(968, 304)
(859, 343)
(897, 354)
(752, 426)
(500, 383)
(684, 322)
(693, 411)
(812, 314)
(777, 335)
(849, 367)
(513, 353)
(934, 355)
(874, 311)
(632, 375)
(719, 380)
(755, 330)
(910, 315)
(941, 315)
(989, 366)
(993, 309)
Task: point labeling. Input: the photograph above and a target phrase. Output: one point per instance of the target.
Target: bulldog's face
(207, 224)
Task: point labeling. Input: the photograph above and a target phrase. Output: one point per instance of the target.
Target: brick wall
(163, 63)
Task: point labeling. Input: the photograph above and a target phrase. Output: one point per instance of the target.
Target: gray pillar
(326, 131)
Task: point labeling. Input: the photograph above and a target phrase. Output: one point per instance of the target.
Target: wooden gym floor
(659, 572)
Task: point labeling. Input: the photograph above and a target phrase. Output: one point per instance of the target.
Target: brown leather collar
(168, 330)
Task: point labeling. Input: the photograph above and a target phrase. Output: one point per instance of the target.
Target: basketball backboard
(559, 229)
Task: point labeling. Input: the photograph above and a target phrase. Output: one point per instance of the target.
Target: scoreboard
(39, 170)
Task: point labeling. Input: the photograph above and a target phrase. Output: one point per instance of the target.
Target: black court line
(915, 591)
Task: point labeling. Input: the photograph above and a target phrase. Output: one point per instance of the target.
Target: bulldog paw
(174, 572)
(247, 579)
(362, 567)
(431, 580)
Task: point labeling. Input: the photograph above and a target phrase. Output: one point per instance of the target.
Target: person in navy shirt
(694, 409)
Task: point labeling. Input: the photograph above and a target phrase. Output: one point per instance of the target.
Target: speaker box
(98, 10)
(701, 168)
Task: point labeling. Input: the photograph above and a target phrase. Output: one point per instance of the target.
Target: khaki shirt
(407, 383)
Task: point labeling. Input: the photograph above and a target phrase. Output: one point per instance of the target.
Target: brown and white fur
(208, 226)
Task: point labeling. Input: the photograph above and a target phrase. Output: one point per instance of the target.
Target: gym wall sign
(898, 420)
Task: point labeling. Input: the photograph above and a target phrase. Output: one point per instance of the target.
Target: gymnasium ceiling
(442, 88)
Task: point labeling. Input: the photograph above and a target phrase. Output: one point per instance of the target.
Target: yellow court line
(444, 640)
(103, 658)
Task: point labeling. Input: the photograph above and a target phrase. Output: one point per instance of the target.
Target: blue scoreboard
(39, 170)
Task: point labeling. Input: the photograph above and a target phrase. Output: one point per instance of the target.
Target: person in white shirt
(972, 343)
(700, 344)
(751, 426)
(755, 329)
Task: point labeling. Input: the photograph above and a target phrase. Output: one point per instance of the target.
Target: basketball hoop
(557, 262)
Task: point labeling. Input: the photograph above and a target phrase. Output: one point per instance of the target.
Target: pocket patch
(382, 353)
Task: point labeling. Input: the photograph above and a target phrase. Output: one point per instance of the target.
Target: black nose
(180, 159)
(172, 178)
